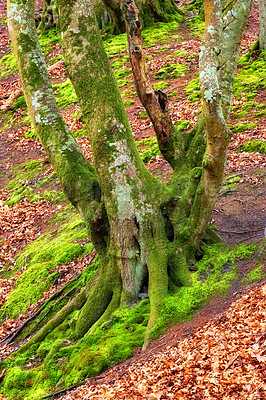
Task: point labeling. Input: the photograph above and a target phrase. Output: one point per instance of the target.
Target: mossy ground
(60, 361)
(39, 260)
(29, 181)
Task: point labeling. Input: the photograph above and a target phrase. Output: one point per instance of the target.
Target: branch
(76, 175)
(9, 104)
(235, 17)
(154, 101)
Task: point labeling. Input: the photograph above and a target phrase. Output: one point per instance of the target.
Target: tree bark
(262, 33)
(49, 18)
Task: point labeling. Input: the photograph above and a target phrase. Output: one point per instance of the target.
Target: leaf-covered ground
(224, 359)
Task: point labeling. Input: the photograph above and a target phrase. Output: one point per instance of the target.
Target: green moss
(193, 89)
(146, 142)
(115, 43)
(30, 287)
(127, 93)
(128, 103)
(147, 155)
(161, 85)
(159, 32)
(38, 261)
(153, 150)
(31, 134)
(181, 125)
(251, 78)
(162, 49)
(143, 114)
(60, 362)
(8, 65)
(173, 93)
(197, 25)
(65, 94)
(120, 62)
(121, 73)
(255, 275)
(20, 102)
(18, 382)
(123, 82)
(217, 270)
(254, 146)
(244, 127)
(230, 184)
(48, 39)
(171, 71)
(178, 53)
(27, 178)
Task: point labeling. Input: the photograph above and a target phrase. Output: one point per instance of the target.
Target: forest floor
(221, 352)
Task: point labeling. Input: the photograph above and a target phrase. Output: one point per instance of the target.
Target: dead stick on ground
(231, 362)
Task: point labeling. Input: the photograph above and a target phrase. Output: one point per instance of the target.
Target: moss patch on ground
(161, 85)
(244, 127)
(39, 260)
(159, 32)
(255, 275)
(60, 361)
(65, 94)
(8, 64)
(251, 78)
(193, 90)
(26, 183)
(217, 271)
(229, 184)
(171, 71)
(253, 146)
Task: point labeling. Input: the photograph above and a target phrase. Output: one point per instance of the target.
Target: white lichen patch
(124, 174)
(209, 95)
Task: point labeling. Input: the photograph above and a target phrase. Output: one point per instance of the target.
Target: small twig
(50, 309)
(11, 336)
(75, 120)
(231, 362)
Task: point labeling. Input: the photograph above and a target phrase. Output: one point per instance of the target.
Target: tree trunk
(144, 231)
(150, 11)
(262, 34)
(49, 18)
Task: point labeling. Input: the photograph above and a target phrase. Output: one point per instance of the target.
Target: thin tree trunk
(262, 33)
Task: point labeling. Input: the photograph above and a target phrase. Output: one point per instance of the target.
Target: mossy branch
(75, 173)
(154, 101)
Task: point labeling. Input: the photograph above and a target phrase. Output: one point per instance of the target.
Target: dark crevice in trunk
(100, 230)
(143, 292)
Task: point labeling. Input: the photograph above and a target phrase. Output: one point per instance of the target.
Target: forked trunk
(146, 233)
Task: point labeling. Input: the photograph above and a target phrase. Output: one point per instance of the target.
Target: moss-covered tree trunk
(144, 231)
(49, 18)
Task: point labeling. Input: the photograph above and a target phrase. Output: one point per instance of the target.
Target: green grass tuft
(253, 146)
(161, 85)
(171, 71)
